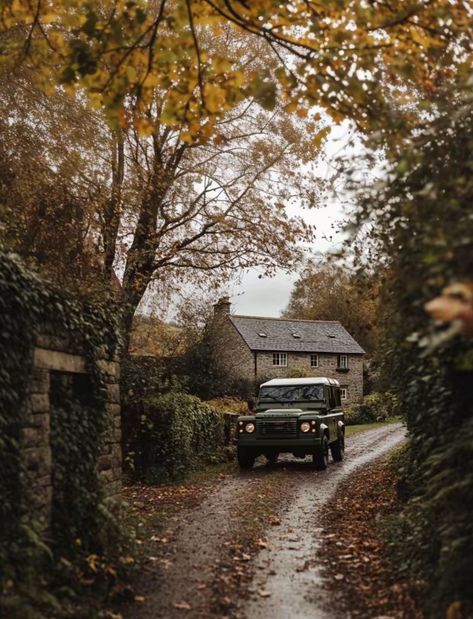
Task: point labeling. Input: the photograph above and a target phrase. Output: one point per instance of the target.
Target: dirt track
(287, 582)
(288, 568)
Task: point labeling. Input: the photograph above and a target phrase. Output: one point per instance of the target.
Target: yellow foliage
(122, 48)
(214, 98)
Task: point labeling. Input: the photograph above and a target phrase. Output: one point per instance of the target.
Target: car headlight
(250, 427)
(305, 426)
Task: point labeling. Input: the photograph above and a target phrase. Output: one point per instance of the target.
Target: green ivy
(421, 225)
(179, 433)
(28, 306)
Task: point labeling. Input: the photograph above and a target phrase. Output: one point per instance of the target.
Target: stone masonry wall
(229, 350)
(53, 354)
(351, 379)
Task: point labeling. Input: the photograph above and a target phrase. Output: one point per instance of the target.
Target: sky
(263, 296)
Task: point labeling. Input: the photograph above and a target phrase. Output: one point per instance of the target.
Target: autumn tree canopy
(351, 57)
(152, 208)
(183, 152)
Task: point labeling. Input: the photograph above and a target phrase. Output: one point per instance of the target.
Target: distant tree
(330, 292)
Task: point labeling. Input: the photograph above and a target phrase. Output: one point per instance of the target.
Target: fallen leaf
(182, 606)
(264, 593)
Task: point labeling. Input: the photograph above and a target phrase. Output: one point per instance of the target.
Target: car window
(331, 397)
(293, 393)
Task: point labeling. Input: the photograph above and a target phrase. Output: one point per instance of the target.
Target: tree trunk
(112, 210)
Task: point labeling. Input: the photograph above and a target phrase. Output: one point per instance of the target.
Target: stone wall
(229, 350)
(54, 354)
(233, 355)
(352, 378)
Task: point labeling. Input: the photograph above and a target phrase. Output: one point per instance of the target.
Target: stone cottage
(257, 348)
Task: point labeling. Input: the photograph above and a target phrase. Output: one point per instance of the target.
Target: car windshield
(293, 393)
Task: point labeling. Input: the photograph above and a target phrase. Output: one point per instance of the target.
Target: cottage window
(314, 360)
(344, 393)
(343, 362)
(280, 359)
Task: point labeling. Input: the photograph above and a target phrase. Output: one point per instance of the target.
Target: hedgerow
(375, 407)
(179, 433)
(422, 227)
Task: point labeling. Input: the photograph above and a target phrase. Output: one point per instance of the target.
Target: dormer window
(332, 336)
(262, 334)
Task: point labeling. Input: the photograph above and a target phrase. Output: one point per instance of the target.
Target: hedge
(375, 407)
(178, 433)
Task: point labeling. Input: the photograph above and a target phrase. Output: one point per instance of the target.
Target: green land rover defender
(302, 416)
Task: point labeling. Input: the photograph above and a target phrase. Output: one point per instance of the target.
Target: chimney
(222, 307)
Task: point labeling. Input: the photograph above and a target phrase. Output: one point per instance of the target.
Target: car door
(334, 408)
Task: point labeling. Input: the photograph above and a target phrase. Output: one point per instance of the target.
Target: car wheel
(246, 458)
(320, 458)
(338, 448)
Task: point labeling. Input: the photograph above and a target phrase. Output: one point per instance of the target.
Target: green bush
(375, 407)
(179, 433)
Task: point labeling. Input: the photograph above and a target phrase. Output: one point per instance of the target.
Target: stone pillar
(35, 445)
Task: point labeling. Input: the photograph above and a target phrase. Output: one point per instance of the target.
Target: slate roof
(315, 335)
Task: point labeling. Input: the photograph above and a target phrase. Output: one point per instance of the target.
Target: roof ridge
(285, 319)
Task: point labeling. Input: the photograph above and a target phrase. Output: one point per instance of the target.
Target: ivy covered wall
(60, 456)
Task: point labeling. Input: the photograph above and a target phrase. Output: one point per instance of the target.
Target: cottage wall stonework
(351, 379)
(233, 355)
(229, 350)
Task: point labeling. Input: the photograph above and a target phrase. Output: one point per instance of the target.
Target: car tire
(246, 458)
(320, 458)
(338, 448)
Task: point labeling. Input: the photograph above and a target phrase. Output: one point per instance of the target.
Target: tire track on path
(287, 570)
(181, 586)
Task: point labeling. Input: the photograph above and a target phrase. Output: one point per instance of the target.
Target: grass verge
(363, 427)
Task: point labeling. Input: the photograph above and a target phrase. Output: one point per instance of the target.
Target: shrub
(178, 433)
(229, 404)
(375, 407)
(297, 373)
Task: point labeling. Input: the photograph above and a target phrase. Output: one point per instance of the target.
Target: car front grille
(270, 428)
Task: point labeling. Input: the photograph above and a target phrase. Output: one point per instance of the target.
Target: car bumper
(281, 444)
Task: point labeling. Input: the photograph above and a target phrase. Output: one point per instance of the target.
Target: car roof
(312, 380)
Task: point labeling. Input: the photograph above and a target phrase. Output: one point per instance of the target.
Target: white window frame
(343, 362)
(280, 359)
(314, 355)
(343, 393)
